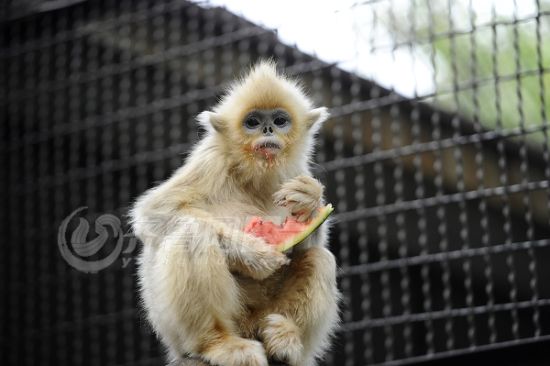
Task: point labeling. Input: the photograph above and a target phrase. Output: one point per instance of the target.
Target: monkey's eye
(251, 122)
(280, 121)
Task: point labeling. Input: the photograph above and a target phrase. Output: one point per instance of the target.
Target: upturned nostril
(270, 129)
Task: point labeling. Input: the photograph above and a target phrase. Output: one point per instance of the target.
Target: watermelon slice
(290, 232)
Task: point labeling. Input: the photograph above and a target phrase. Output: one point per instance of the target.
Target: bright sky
(343, 31)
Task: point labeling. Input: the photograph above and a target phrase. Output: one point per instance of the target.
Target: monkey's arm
(156, 216)
(245, 253)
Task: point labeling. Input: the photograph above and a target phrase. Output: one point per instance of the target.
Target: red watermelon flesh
(290, 232)
(273, 233)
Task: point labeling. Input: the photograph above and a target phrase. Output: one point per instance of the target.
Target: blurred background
(436, 158)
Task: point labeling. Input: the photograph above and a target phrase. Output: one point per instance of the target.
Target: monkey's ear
(211, 121)
(316, 117)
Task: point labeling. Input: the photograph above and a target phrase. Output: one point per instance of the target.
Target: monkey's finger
(308, 185)
(302, 200)
(306, 179)
(303, 217)
(285, 200)
(311, 187)
(303, 185)
(299, 209)
(279, 197)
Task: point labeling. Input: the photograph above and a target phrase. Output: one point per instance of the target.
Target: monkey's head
(265, 120)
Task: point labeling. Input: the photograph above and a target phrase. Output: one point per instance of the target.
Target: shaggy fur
(212, 291)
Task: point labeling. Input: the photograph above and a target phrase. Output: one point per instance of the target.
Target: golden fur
(209, 289)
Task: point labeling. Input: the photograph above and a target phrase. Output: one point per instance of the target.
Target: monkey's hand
(262, 260)
(253, 257)
(301, 195)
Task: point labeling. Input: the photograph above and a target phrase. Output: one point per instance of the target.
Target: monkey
(212, 291)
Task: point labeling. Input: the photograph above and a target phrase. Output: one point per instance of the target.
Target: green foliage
(495, 74)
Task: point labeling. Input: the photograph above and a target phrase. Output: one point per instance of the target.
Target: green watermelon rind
(321, 217)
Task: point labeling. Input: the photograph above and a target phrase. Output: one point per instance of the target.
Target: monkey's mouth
(267, 147)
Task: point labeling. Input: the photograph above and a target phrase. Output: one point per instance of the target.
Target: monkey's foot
(236, 351)
(281, 338)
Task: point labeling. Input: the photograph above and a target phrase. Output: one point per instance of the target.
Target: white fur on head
(211, 121)
(263, 88)
(316, 117)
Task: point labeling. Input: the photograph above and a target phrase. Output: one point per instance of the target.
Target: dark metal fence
(442, 228)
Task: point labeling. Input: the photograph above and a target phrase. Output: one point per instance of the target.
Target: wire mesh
(442, 228)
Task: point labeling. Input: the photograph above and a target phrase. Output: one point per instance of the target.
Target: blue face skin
(267, 122)
(266, 127)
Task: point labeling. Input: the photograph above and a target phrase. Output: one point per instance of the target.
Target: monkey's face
(267, 132)
(264, 118)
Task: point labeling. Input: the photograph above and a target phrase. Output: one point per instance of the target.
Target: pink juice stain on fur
(250, 151)
(266, 153)
(272, 233)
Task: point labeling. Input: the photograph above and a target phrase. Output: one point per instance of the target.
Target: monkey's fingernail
(303, 217)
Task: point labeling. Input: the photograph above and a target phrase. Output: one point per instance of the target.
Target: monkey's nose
(268, 130)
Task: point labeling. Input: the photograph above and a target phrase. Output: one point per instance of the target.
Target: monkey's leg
(297, 326)
(192, 299)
